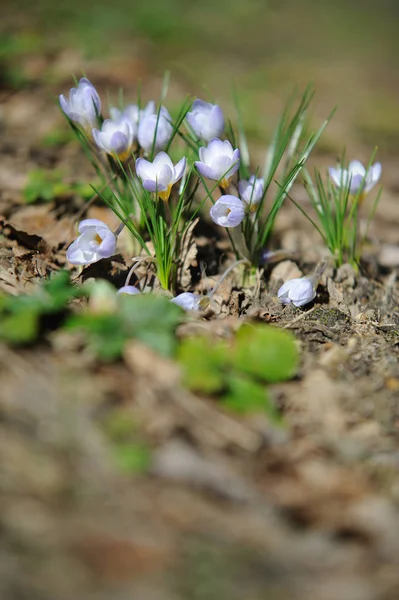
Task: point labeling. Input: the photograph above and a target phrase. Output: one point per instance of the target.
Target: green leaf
(152, 319)
(132, 457)
(265, 352)
(20, 328)
(203, 364)
(106, 335)
(245, 396)
(149, 318)
(21, 317)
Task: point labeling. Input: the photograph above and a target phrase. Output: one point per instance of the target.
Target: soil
(229, 507)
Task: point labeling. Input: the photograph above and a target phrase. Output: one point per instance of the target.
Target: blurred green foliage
(23, 317)
(246, 27)
(150, 318)
(131, 454)
(238, 372)
(46, 186)
(267, 46)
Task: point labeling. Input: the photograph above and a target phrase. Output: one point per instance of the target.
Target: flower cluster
(158, 171)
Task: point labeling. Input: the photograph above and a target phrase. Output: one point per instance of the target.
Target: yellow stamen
(360, 199)
(165, 194)
(225, 183)
(98, 239)
(123, 156)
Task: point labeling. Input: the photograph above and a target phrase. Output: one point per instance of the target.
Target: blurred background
(265, 47)
(71, 529)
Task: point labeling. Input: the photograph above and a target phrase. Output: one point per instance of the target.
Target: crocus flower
(96, 241)
(160, 175)
(299, 291)
(133, 114)
(356, 174)
(228, 211)
(206, 120)
(83, 106)
(218, 161)
(251, 191)
(190, 301)
(156, 126)
(130, 290)
(115, 138)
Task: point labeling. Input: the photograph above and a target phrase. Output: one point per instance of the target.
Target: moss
(329, 317)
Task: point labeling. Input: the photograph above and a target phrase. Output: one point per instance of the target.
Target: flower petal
(86, 223)
(179, 169)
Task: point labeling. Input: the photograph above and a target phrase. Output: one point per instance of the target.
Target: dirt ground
(228, 507)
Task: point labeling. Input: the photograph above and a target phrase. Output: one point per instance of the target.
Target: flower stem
(223, 277)
(119, 229)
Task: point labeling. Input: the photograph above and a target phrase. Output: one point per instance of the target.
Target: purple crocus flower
(218, 161)
(130, 290)
(160, 175)
(356, 173)
(228, 211)
(96, 241)
(206, 120)
(83, 105)
(155, 126)
(251, 191)
(133, 114)
(115, 138)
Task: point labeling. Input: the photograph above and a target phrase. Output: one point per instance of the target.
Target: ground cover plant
(198, 345)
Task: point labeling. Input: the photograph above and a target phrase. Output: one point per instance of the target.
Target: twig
(299, 318)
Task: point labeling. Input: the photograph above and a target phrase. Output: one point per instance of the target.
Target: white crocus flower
(96, 241)
(218, 161)
(130, 290)
(133, 114)
(251, 192)
(160, 175)
(83, 105)
(206, 120)
(190, 301)
(357, 177)
(155, 126)
(228, 211)
(115, 138)
(299, 291)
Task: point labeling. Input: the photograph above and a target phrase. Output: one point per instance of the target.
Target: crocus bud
(206, 120)
(96, 241)
(251, 191)
(356, 174)
(83, 106)
(115, 138)
(190, 301)
(228, 211)
(130, 290)
(218, 161)
(156, 126)
(299, 291)
(160, 175)
(133, 114)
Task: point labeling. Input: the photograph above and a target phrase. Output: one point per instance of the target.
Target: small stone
(284, 271)
(389, 256)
